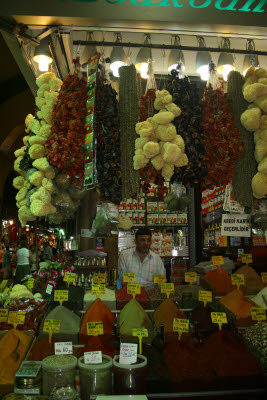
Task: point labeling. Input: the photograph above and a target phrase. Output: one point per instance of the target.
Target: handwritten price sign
(128, 277)
(95, 328)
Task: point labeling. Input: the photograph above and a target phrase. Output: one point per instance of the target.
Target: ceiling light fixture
(142, 58)
(203, 59)
(250, 59)
(226, 60)
(88, 51)
(176, 57)
(42, 55)
(117, 57)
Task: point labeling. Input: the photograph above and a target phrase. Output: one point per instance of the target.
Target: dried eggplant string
(245, 166)
(129, 110)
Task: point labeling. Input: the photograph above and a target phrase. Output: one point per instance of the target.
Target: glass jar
(58, 371)
(95, 379)
(130, 378)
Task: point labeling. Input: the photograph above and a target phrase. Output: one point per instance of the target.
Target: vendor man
(141, 260)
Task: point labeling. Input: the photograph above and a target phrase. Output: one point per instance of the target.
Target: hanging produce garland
(245, 165)
(108, 142)
(221, 138)
(65, 145)
(128, 111)
(186, 96)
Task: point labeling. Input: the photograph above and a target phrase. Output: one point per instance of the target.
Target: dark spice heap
(221, 138)
(201, 319)
(245, 165)
(165, 314)
(108, 142)
(186, 96)
(156, 297)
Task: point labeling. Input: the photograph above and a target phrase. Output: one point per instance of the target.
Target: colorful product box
(141, 216)
(172, 219)
(141, 204)
(152, 207)
(182, 218)
(162, 219)
(152, 219)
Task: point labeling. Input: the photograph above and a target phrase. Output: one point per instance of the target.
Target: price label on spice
(258, 314)
(30, 283)
(49, 289)
(133, 289)
(92, 357)
(238, 279)
(247, 258)
(167, 288)
(61, 295)
(264, 277)
(159, 278)
(99, 278)
(190, 277)
(98, 290)
(63, 348)
(128, 277)
(16, 318)
(51, 326)
(217, 260)
(140, 333)
(128, 353)
(205, 296)
(95, 328)
(218, 318)
(3, 314)
(180, 325)
(70, 277)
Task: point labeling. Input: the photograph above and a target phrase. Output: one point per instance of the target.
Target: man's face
(143, 243)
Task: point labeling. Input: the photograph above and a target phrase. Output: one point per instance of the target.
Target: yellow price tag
(218, 318)
(238, 280)
(30, 283)
(3, 314)
(167, 288)
(133, 289)
(51, 326)
(217, 260)
(258, 314)
(98, 289)
(95, 328)
(99, 278)
(205, 296)
(180, 325)
(264, 277)
(159, 278)
(190, 277)
(70, 277)
(61, 295)
(247, 258)
(128, 277)
(140, 333)
(16, 318)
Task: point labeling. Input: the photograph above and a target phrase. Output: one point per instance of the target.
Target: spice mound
(156, 297)
(95, 313)
(165, 313)
(239, 306)
(221, 280)
(109, 299)
(123, 298)
(201, 319)
(42, 349)
(253, 282)
(69, 323)
(133, 316)
(255, 338)
(100, 343)
(8, 362)
(259, 299)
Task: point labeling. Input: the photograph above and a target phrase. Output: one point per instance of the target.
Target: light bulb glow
(174, 66)
(144, 70)
(227, 68)
(43, 63)
(115, 67)
(204, 72)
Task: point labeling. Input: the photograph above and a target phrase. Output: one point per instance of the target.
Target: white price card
(92, 357)
(128, 353)
(63, 348)
(49, 289)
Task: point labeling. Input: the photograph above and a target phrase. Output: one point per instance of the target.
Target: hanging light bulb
(226, 61)
(176, 57)
(118, 58)
(42, 55)
(203, 59)
(88, 51)
(142, 58)
(250, 59)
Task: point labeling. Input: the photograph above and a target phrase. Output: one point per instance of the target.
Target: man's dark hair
(142, 232)
(7, 248)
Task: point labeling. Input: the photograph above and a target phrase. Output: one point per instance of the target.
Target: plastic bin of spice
(58, 371)
(130, 378)
(95, 379)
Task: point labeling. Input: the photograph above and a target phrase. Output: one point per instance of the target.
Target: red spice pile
(123, 297)
(221, 280)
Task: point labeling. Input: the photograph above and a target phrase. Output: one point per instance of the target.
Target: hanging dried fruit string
(108, 142)
(186, 96)
(221, 138)
(128, 112)
(65, 146)
(245, 165)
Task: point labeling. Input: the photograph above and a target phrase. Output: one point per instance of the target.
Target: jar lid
(91, 367)
(142, 362)
(59, 362)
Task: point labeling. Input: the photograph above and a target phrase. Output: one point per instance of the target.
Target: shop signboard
(236, 225)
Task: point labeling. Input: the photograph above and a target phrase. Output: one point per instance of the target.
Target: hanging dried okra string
(245, 166)
(128, 109)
